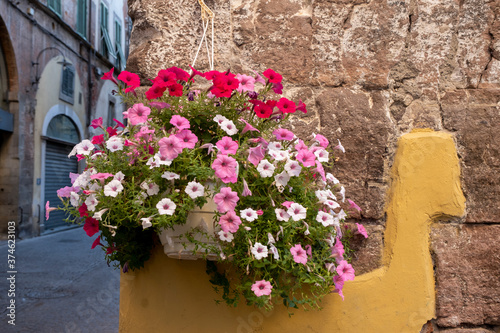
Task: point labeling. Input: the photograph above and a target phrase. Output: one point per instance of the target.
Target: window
(120, 58)
(67, 84)
(81, 20)
(106, 47)
(111, 113)
(55, 5)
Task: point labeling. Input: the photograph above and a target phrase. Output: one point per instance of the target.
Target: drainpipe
(89, 71)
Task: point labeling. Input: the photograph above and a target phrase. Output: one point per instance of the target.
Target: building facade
(52, 55)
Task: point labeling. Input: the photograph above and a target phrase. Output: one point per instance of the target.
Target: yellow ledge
(171, 295)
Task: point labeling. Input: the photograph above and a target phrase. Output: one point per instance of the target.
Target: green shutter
(81, 23)
(55, 5)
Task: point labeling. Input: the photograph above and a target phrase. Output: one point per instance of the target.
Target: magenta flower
(230, 222)
(225, 166)
(96, 123)
(256, 154)
(48, 209)
(299, 254)
(91, 226)
(283, 134)
(180, 122)
(362, 230)
(306, 157)
(226, 200)
(138, 114)
(301, 146)
(170, 147)
(321, 170)
(287, 204)
(352, 204)
(248, 127)
(101, 176)
(285, 105)
(246, 191)
(338, 250)
(227, 146)
(261, 288)
(188, 139)
(301, 107)
(345, 271)
(109, 76)
(339, 284)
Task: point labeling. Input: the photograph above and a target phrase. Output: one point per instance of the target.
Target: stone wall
(370, 71)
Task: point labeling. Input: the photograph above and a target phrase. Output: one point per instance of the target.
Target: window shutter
(81, 25)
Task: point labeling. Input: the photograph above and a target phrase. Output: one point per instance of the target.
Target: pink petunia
(306, 157)
(109, 76)
(170, 147)
(362, 230)
(65, 192)
(180, 122)
(345, 271)
(299, 254)
(230, 222)
(138, 114)
(321, 170)
(96, 123)
(262, 288)
(248, 127)
(227, 146)
(256, 154)
(283, 134)
(323, 142)
(226, 200)
(224, 166)
(101, 176)
(272, 76)
(287, 204)
(353, 205)
(301, 146)
(301, 107)
(48, 209)
(188, 139)
(338, 250)
(131, 79)
(246, 191)
(285, 105)
(246, 83)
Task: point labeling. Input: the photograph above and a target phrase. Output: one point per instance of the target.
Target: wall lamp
(64, 62)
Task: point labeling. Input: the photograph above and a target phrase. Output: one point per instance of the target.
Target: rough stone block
(467, 274)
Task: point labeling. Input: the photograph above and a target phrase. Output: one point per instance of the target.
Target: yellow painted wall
(171, 295)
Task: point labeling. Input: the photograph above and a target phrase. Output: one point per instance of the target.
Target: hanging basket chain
(207, 17)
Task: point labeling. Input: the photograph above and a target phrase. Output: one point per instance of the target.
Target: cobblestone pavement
(61, 285)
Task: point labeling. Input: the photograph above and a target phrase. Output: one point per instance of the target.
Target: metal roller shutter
(57, 169)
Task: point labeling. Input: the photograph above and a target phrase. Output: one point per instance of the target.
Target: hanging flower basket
(272, 211)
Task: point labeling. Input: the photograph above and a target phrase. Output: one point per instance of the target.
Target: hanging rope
(207, 17)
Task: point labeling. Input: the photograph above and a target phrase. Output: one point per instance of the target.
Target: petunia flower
(322, 155)
(224, 166)
(170, 175)
(324, 218)
(331, 204)
(279, 155)
(337, 250)
(265, 168)
(138, 114)
(114, 143)
(187, 138)
(256, 154)
(345, 271)
(282, 180)
(342, 193)
(146, 222)
(83, 148)
(339, 147)
(91, 202)
(353, 205)
(230, 222)
(229, 127)
(166, 206)
(330, 178)
(180, 122)
(249, 214)
(301, 145)
(285, 105)
(165, 78)
(151, 188)
(109, 76)
(306, 157)
(262, 288)
(323, 142)
(299, 254)
(96, 123)
(195, 190)
(113, 188)
(219, 119)
(119, 176)
(281, 214)
(283, 134)
(259, 251)
(362, 230)
(297, 212)
(91, 226)
(156, 91)
(131, 79)
(225, 236)
(272, 76)
(48, 209)
(246, 83)
(170, 147)
(301, 107)
(246, 191)
(247, 127)
(227, 146)
(293, 168)
(226, 200)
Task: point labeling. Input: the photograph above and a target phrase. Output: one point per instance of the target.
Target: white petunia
(229, 127)
(219, 119)
(195, 190)
(170, 175)
(279, 155)
(151, 188)
(98, 215)
(325, 218)
(331, 204)
(275, 146)
(281, 180)
(322, 155)
(74, 199)
(293, 168)
(225, 236)
(265, 168)
(113, 188)
(331, 178)
(82, 180)
(342, 193)
(162, 160)
(91, 202)
(119, 176)
(166, 206)
(324, 195)
(259, 251)
(297, 212)
(146, 222)
(342, 215)
(140, 198)
(114, 143)
(281, 214)
(274, 251)
(153, 162)
(249, 214)
(84, 148)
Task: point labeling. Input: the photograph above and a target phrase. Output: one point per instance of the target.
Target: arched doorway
(61, 131)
